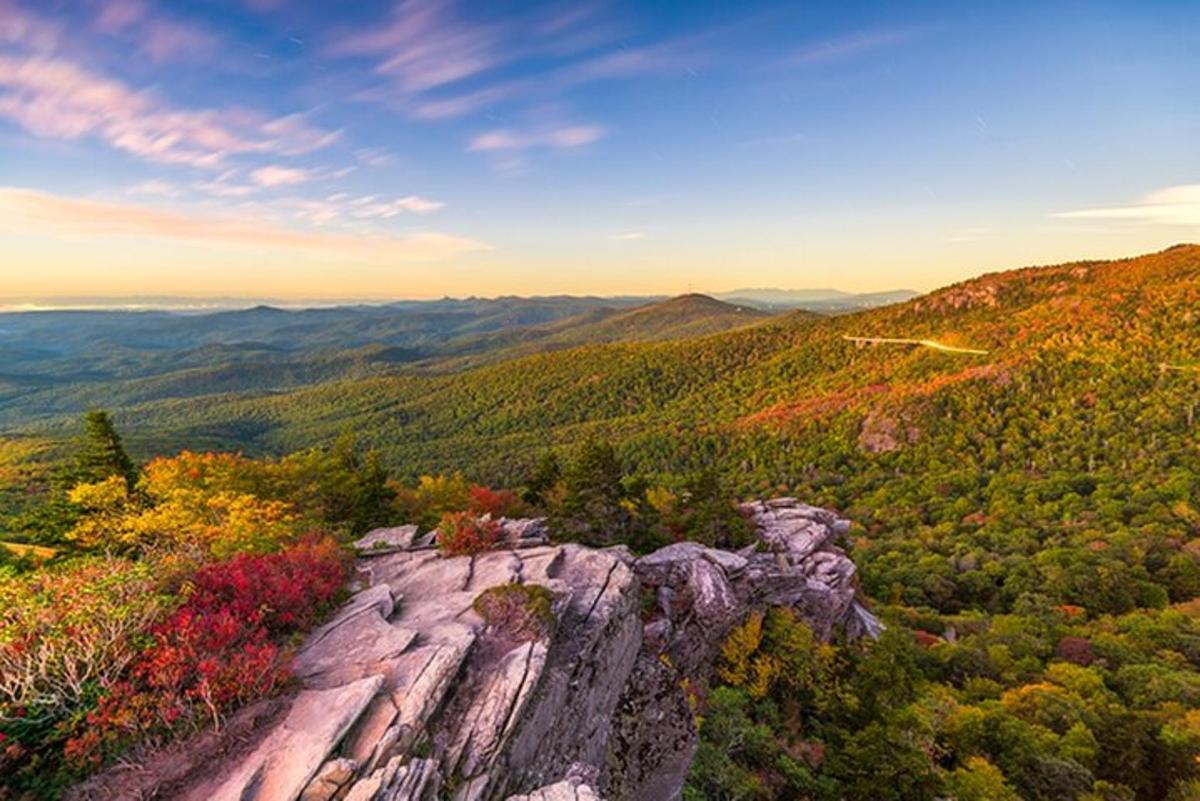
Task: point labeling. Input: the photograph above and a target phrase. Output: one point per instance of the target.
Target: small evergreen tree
(356, 489)
(101, 453)
(709, 516)
(592, 510)
(546, 474)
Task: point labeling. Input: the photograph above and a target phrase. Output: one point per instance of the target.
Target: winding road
(928, 343)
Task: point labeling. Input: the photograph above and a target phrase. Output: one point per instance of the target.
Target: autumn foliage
(464, 534)
(221, 649)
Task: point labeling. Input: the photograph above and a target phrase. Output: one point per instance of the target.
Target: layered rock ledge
(409, 694)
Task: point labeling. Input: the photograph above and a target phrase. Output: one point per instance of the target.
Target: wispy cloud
(563, 138)
(58, 99)
(436, 64)
(31, 32)
(159, 36)
(343, 206)
(274, 175)
(156, 188)
(629, 236)
(224, 188)
(423, 46)
(1174, 205)
(30, 210)
(853, 45)
(374, 157)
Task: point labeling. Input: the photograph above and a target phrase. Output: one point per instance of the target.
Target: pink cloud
(27, 30)
(367, 207)
(557, 139)
(30, 210)
(155, 34)
(164, 40)
(58, 99)
(273, 175)
(424, 47)
(118, 15)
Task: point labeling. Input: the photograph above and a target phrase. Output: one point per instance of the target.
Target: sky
(422, 148)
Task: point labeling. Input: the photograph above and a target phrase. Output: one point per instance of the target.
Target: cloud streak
(852, 45)
(30, 210)
(437, 65)
(274, 175)
(1173, 205)
(423, 47)
(55, 98)
(158, 36)
(507, 139)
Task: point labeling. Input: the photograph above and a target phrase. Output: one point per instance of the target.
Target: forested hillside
(1022, 470)
(64, 362)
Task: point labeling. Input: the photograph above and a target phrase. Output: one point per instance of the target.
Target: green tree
(546, 473)
(709, 515)
(594, 509)
(100, 452)
(979, 780)
(889, 761)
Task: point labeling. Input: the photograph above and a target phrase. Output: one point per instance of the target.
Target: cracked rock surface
(408, 694)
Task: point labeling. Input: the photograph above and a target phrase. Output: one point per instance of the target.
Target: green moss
(522, 610)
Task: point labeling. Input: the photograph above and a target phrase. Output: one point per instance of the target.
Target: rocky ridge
(410, 694)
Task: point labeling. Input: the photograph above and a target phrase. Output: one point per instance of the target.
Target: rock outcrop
(409, 693)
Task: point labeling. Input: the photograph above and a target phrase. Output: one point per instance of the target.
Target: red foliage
(497, 503)
(219, 650)
(282, 592)
(926, 639)
(1075, 649)
(464, 534)
(1070, 610)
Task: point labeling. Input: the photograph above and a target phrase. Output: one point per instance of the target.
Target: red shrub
(464, 534)
(926, 639)
(1075, 649)
(219, 650)
(497, 503)
(282, 592)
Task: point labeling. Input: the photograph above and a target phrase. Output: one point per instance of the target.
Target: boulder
(386, 540)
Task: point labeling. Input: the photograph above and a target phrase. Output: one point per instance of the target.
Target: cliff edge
(535, 671)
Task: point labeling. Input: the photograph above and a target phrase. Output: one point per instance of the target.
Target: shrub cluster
(96, 656)
(465, 534)
(220, 650)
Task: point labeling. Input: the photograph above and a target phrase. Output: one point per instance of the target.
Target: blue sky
(427, 147)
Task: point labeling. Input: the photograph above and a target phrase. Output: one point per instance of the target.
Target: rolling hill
(1108, 320)
(1070, 427)
(1018, 455)
(88, 359)
(681, 317)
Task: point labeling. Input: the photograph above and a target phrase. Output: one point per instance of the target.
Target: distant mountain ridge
(438, 385)
(766, 298)
(819, 300)
(63, 362)
(771, 379)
